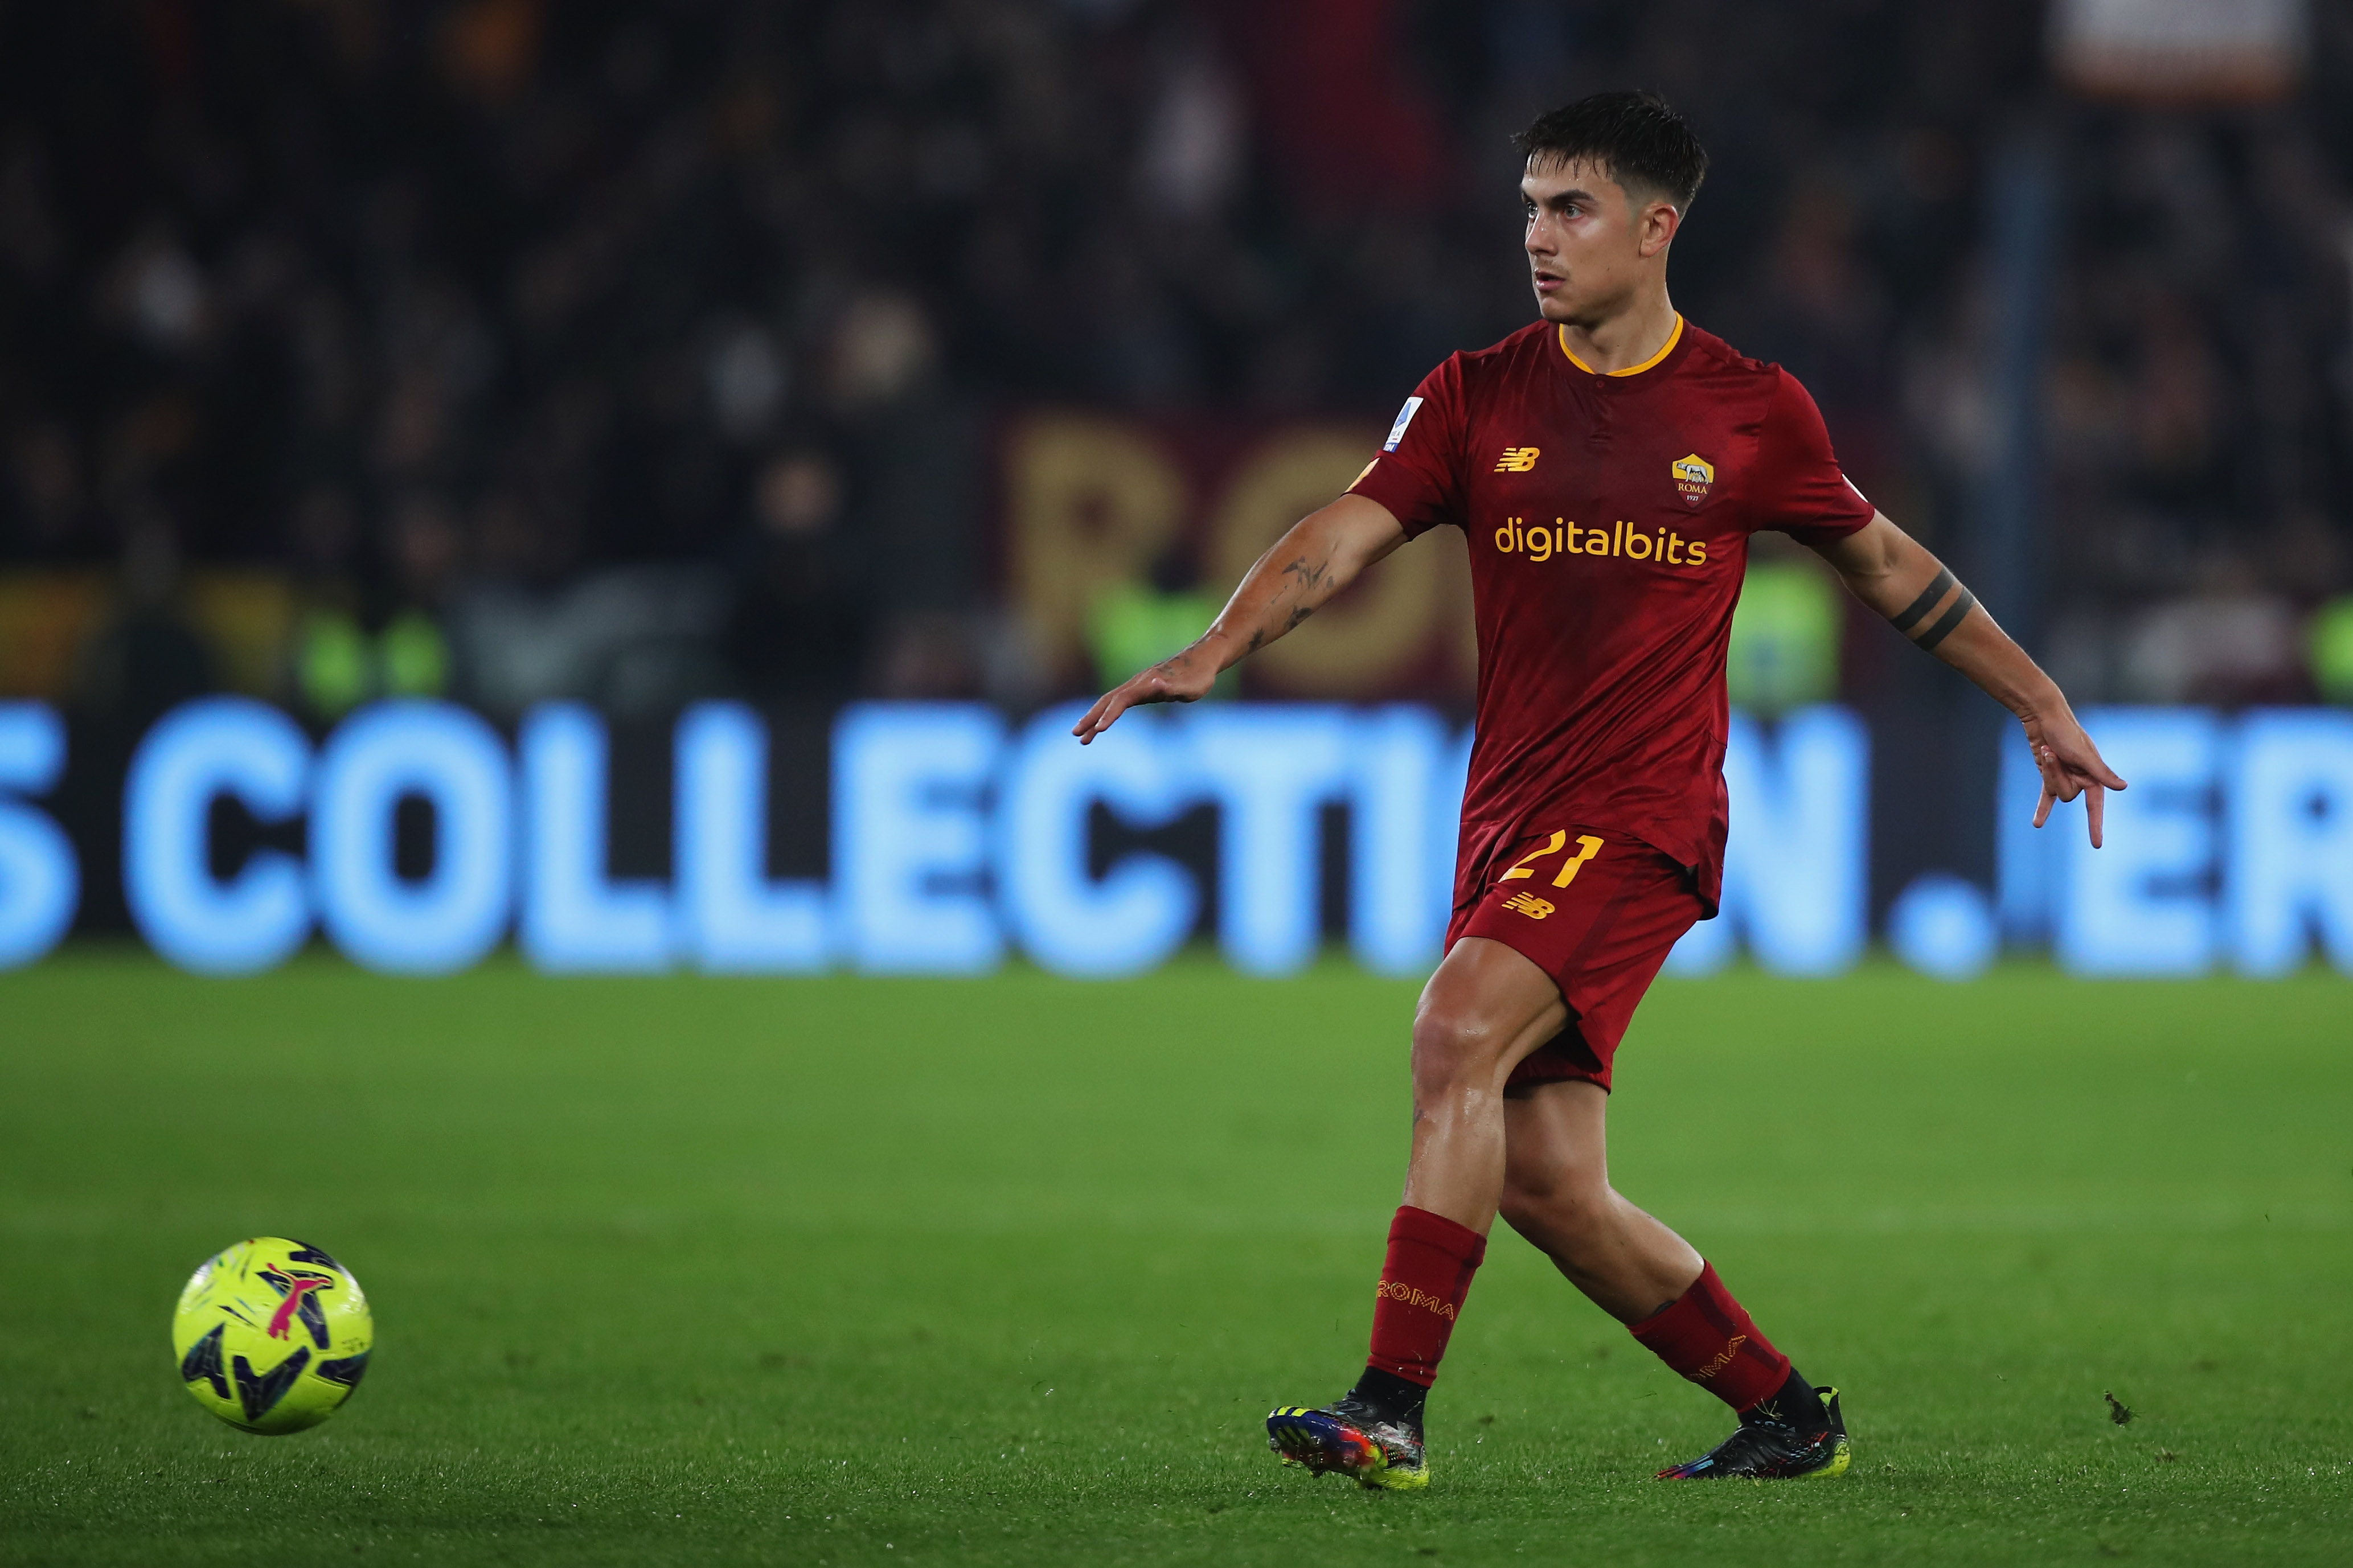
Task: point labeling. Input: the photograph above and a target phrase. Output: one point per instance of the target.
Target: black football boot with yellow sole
(1776, 1445)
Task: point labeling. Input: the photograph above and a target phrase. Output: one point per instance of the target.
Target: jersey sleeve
(1799, 488)
(1418, 472)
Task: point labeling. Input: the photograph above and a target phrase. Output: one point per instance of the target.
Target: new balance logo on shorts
(1528, 904)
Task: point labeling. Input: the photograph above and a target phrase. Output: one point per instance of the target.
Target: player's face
(1589, 247)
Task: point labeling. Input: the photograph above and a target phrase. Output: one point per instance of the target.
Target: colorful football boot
(1770, 1448)
(1352, 1438)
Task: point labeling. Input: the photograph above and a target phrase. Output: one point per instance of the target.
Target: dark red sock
(1707, 1335)
(1423, 1282)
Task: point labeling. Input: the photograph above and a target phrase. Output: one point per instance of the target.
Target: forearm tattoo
(1942, 627)
(1948, 621)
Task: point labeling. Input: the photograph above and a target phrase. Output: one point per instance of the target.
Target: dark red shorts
(1596, 910)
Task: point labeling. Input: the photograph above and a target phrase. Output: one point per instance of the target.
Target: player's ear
(1660, 221)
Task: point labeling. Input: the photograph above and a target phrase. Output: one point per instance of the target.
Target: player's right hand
(2070, 766)
(1184, 677)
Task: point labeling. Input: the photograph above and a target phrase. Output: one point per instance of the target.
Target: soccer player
(1609, 463)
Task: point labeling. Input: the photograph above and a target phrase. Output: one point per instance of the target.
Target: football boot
(1354, 1438)
(1773, 1445)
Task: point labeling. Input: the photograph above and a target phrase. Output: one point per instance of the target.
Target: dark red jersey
(1609, 518)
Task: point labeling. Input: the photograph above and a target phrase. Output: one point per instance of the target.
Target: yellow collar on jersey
(1667, 348)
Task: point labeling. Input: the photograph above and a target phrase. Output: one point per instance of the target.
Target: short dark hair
(1637, 136)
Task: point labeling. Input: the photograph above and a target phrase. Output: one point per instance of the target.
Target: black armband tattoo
(1948, 620)
(1910, 615)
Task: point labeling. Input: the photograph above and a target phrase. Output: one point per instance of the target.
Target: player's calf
(1557, 1193)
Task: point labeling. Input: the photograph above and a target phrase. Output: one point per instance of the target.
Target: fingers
(1129, 694)
(2057, 787)
(2086, 759)
(2089, 766)
(1094, 719)
(2082, 772)
(1101, 716)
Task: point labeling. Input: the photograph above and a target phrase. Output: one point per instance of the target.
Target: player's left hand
(2070, 766)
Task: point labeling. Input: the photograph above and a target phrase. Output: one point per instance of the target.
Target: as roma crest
(1694, 476)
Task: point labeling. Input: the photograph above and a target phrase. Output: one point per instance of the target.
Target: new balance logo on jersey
(1517, 459)
(1538, 541)
(1528, 904)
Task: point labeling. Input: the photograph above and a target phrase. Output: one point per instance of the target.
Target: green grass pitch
(854, 1272)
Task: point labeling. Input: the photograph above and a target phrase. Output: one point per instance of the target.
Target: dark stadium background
(878, 375)
(643, 353)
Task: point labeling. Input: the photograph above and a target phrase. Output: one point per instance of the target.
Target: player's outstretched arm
(1321, 555)
(1891, 572)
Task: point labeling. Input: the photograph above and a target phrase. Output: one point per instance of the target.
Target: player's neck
(1633, 336)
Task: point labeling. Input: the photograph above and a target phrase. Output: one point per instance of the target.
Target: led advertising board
(959, 837)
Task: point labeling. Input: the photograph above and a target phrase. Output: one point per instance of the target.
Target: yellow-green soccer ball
(273, 1335)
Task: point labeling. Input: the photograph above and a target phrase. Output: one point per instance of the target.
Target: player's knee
(1564, 1205)
(1525, 1211)
(1453, 1050)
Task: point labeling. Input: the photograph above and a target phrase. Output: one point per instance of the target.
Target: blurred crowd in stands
(513, 349)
